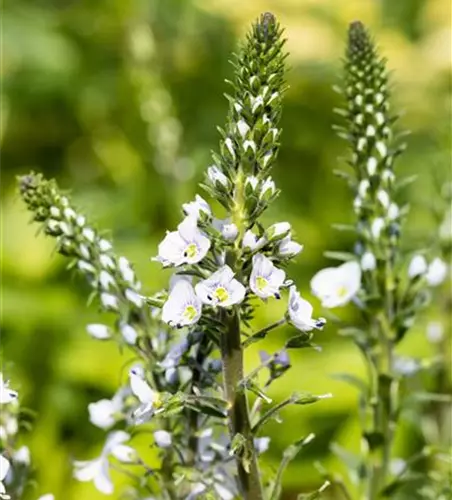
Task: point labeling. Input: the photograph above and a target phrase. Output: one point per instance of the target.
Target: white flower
(242, 128)
(103, 413)
(435, 332)
(106, 261)
(249, 145)
(363, 188)
(216, 175)
(250, 240)
(106, 280)
(229, 144)
(162, 439)
(381, 148)
(221, 289)
(89, 234)
(6, 394)
(48, 496)
(228, 229)
(377, 227)
(80, 220)
(183, 306)
(336, 286)
(129, 333)
(4, 468)
(148, 398)
(55, 212)
(69, 213)
(368, 261)
(372, 164)
(277, 230)
(97, 470)
(268, 185)
(194, 208)
(383, 198)
(393, 211)
(187, 245)
(98, 331)
(417, 266)
(261, 444)
(289, 248)
(252, 181)
(134, 297)
(109, 301)
(126, 270)
(22, 455)
(84, 251)
(104, 245)
(266, 279)
(300, 312)
(86, 266)
(437, 272)
(256, 102)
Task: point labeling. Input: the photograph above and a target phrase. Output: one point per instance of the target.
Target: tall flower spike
(250, 139)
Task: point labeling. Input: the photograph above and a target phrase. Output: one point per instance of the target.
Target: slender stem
(261, 334)
(238, 415)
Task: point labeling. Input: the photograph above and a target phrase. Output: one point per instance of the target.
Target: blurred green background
(119, 101)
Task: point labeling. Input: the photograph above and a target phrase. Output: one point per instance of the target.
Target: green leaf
(353, 380)
(299, 341)
(342, 256)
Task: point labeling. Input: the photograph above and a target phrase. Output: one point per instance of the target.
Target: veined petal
(171, 249)
(114, 439)
(183, 306)
(101, 413)
(124, 453)
(102, 480)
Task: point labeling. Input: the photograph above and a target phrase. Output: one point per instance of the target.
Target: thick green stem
(238, 415)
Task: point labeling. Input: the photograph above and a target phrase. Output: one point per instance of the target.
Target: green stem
(238, 415)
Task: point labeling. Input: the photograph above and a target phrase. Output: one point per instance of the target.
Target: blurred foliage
(119, 101)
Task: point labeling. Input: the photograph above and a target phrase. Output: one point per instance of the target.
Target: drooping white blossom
(417, 266)
(221, 289)
(98, 470)
(194, 208)
(7, 395)
(336, 286)
(289, 248)
(266, 279)
(251, 241)
(228, 229)
(436, 272)
(183, 307)
(300, 312)
(187, 245)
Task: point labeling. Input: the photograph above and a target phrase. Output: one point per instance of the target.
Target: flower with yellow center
(183, 307)
(221, 289)
(187, 245)
(336, 286)
(266, 279)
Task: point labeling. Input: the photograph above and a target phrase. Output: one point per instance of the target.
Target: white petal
(249, 240)
(368, 261)
(114, 439)
(102, 480)
(134, 297)
(48, 496)
(124, 453)
(236, 294)
(126, 270)
(109, 301)
(87, 470)
(183, 306)
(171, 249)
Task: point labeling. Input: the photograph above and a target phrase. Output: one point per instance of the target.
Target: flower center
(341, 291)
(261, 283)
(221, 294)
(191, 251)
(189, 313)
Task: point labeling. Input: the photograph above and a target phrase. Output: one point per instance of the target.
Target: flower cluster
(200, 325)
